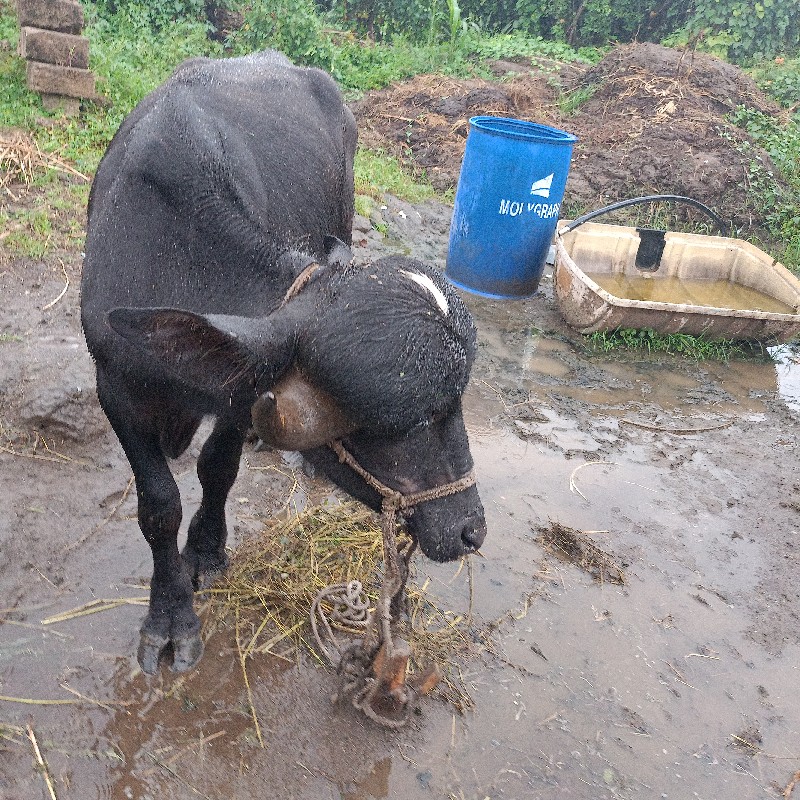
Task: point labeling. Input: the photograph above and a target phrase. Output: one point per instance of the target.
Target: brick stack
(57, 55)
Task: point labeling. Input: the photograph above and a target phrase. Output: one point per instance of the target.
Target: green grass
(28, 232)
(780, 79)
(697, 348)
(570, 102)
(780, 201)
(377, 173)
(131, 55)
(129, 59)
(19, 108)
(359, 67)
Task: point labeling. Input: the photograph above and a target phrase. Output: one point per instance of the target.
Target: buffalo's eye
(422, 424)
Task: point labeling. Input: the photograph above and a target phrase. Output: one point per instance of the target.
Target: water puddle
(520, 363)
(579, 687)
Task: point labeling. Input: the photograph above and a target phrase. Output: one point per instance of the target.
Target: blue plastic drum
(507, 205)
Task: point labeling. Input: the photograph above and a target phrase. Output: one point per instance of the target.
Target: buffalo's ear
(337, 253)
(215, 352)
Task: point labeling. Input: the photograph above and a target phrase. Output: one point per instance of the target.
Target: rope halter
(392, 499)
(355, 663)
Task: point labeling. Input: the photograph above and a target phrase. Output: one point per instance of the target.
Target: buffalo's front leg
(204, 554)
(171, 618)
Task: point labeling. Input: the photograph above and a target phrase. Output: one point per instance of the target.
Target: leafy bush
(782, 143)
(291, 26)
(576, 22)
(360, 67)
(130, 57)
(757, 30)
(158, 15)
(384, 19)
(493, 15)
(521, 45)
(737, 29)
(780, 79)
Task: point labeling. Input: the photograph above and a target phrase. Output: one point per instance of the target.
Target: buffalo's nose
(473, 535)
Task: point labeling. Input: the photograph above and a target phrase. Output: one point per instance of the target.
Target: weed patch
(377, 173)
(694, 347)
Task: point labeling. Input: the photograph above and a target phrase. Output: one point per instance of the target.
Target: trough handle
(651, 198)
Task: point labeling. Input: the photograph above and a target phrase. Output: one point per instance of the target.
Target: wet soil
(678, 680)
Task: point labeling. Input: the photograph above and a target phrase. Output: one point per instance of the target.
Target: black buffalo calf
(218, 281)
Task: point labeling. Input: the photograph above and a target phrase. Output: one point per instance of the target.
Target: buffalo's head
(376, 357)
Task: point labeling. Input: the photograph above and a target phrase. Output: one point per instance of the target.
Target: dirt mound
(424, 122)
(654, 124)
(646, 76)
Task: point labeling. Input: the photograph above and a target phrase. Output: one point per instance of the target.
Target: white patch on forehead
(426, 283)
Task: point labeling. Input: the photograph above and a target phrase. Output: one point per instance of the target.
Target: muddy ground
(679, 683)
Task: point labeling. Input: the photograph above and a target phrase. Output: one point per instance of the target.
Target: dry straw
(274, 577)
(577, 547)
(21, 160)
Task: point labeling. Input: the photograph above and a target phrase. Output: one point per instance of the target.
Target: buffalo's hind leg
(217, 467)
(171, 618)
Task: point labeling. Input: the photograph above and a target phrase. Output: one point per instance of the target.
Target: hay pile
(637, 81)
(273, 579)
(21, 160)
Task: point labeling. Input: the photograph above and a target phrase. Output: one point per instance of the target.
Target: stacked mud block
(57, 55)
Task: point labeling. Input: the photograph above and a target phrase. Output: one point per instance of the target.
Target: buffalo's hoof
(207, 578)
(150, 649)
(184, 653)
(188, 653)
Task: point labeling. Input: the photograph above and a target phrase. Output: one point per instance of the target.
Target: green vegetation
(129, 56)
(135, 46)
(694, 347)
(570, 102)
(367, 44)
(377, 173)
(742, 30)
(780, 78)
(735, 29)
(781, 141)
(28, 232)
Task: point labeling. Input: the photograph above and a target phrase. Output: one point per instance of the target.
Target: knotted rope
(350, 605)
